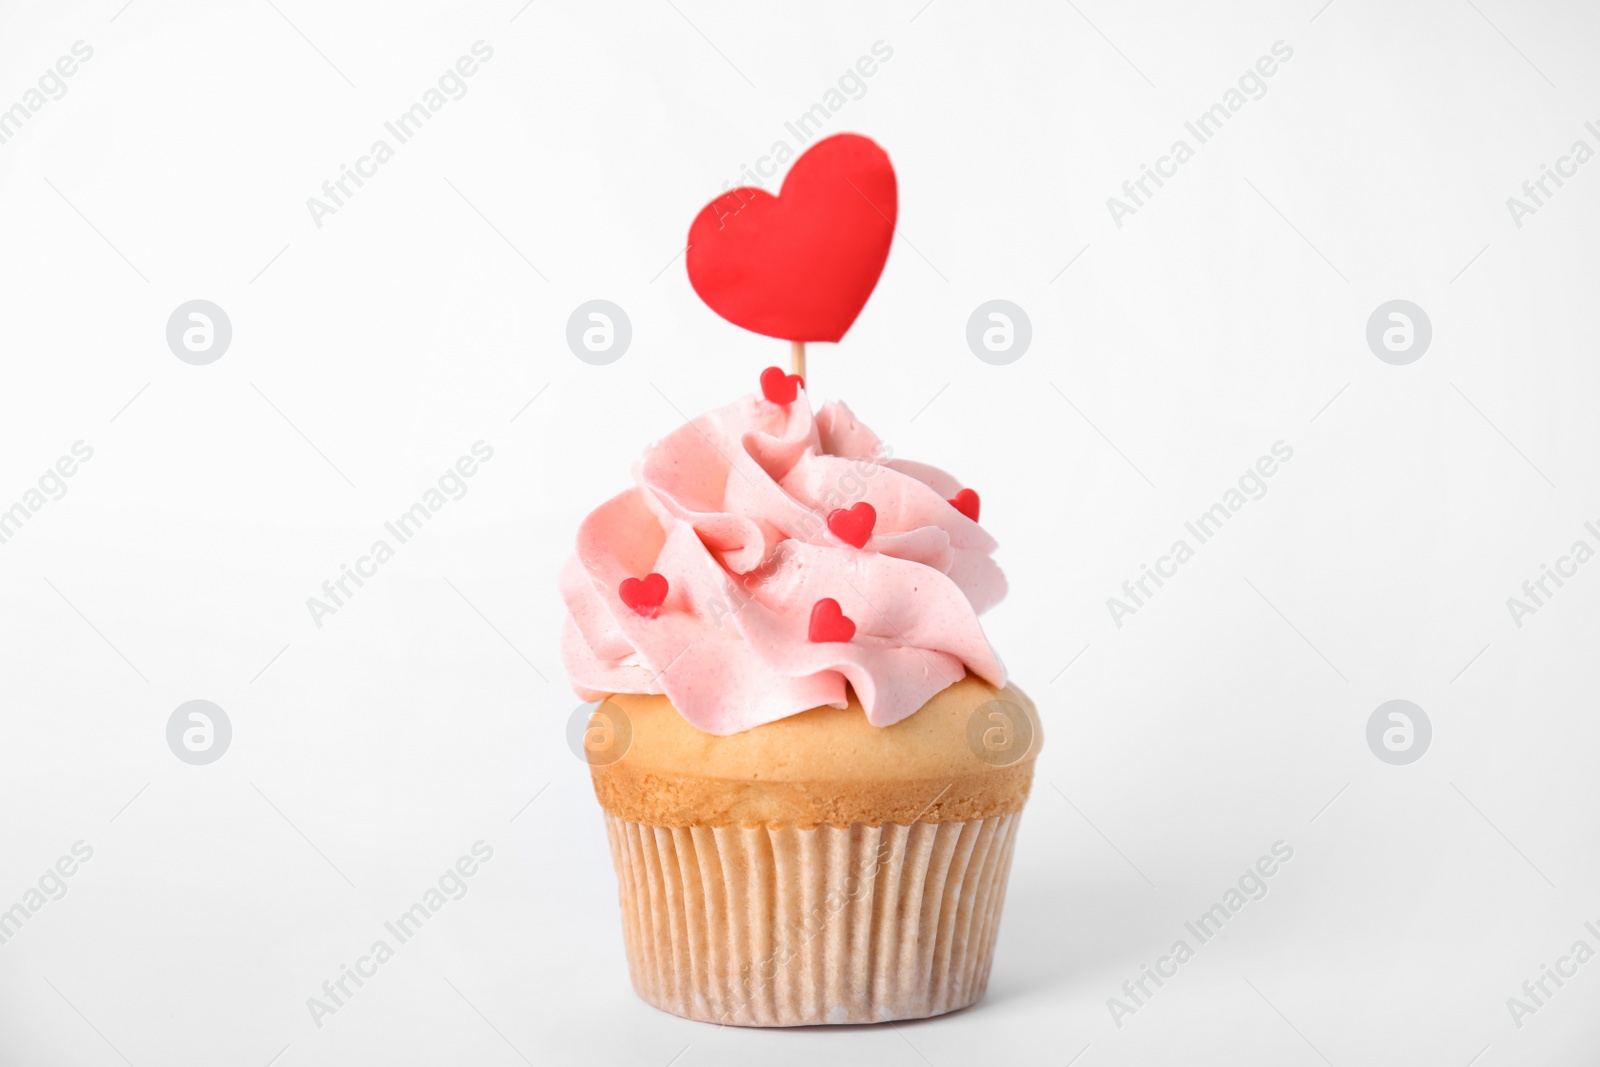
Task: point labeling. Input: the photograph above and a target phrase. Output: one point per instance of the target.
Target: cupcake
(810, 762)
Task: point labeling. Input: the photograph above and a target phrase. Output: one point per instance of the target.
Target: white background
(369, 353)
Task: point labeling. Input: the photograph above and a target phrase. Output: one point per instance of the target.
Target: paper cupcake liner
(786, 927)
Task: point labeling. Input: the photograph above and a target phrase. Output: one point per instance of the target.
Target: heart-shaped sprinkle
(778, 387)
(966, 502)
(853, 525)
(828, 623)
(644, 595)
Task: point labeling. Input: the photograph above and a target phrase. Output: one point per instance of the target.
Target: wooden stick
(797, 358)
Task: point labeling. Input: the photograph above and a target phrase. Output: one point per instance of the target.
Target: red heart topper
(799, 265)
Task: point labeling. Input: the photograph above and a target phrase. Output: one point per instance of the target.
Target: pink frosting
(731, 509)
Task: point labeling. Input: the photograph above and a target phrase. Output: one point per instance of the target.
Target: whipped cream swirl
(732, 510)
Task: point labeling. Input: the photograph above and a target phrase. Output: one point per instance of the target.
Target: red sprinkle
(778, 387)
(644, 595)
(828, 623)
(966, 502)
(853, 525)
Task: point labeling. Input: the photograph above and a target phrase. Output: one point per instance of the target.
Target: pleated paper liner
(752, 926)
